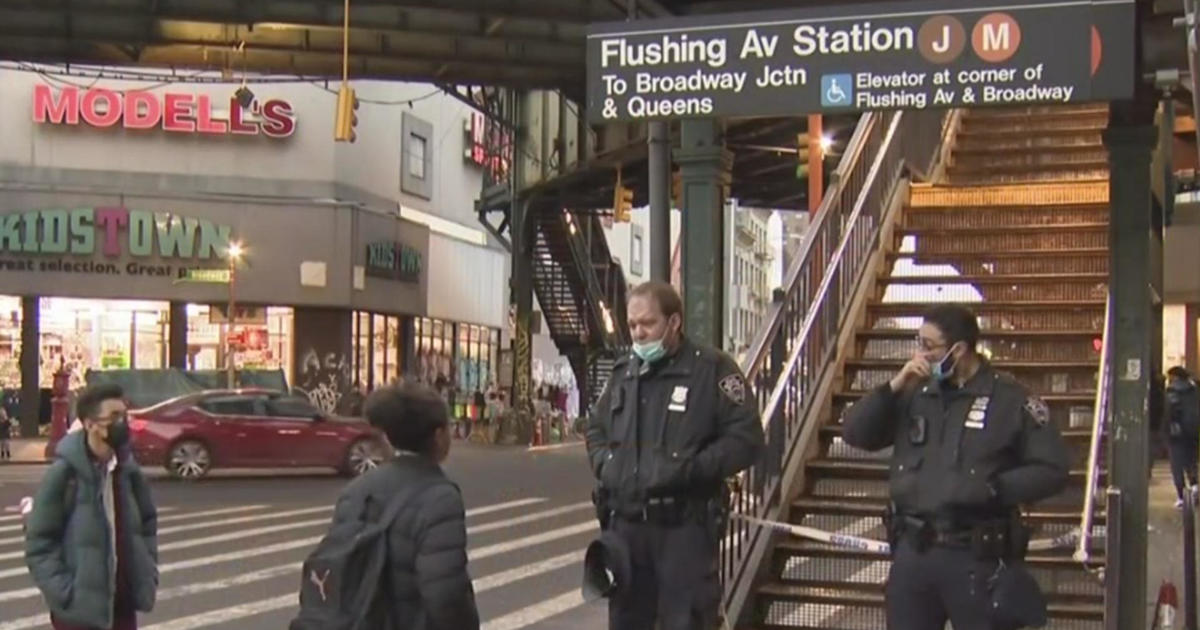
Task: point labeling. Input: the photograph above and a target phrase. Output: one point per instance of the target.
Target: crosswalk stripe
(529, 541)
(529, 518)
(246, 553)
(43, 619)
(217, 512)
(233, 613)
(488, 509)
(538, 612)
(201, 525)
(208, 540)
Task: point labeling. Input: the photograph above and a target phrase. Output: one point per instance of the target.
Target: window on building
(261, 344)
(416, 156)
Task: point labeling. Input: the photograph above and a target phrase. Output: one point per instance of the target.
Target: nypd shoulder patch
(1037, 409)
(734, 388)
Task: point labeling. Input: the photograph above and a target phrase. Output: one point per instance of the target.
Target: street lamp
(233, 254)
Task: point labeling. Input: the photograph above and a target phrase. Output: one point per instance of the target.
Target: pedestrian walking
(1182, 428)
(971, 445)
(6, 430)
(395, 556)
(675, 420)
(91, 537)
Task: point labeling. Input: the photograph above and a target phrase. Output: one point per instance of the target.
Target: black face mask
(118, 434)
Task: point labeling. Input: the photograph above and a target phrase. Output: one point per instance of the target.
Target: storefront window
(435, 347)
(477, 348)
(262, 344)
(100, 334)
(377, 349)
(10, 342)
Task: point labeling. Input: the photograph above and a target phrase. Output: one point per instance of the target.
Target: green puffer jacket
(67, 548)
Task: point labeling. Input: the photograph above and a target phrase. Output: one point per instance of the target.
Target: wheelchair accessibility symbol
(837, 90)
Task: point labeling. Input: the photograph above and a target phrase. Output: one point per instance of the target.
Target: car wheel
(189, 460)
(362, 457)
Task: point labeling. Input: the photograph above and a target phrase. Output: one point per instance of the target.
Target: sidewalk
(27, 451)
(1164, 544)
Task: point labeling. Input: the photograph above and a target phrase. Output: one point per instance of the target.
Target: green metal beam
(702, 161)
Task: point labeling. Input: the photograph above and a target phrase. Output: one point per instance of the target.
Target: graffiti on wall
(324, 378)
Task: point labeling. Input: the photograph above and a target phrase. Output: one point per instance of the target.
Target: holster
(892, 526)
(1001, 539)
(603, 511)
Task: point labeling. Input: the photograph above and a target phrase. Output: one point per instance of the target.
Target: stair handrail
(1099, 422)
(835, 252)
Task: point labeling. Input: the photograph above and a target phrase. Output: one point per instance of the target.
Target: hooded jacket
(68, 537)
(1183, 409)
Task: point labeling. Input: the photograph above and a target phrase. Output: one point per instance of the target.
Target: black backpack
(340, 587)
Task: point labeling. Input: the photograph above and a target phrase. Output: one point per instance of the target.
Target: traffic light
(347, 118)
(622, 202)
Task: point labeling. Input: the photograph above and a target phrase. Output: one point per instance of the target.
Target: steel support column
(703, 161)
(30, 362)
(660, 202)
(522, 272)
(1130, 139)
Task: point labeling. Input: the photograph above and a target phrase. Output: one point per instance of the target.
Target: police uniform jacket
(677, 427)
(962, 454)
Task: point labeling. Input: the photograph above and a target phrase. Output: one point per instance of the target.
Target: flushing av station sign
(854, 57)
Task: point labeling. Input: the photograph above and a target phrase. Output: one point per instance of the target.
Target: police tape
(1063, 541)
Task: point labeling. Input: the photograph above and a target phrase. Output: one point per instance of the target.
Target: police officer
(675, 420)
(971, 445)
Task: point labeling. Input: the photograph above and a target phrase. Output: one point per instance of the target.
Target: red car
(250, 428)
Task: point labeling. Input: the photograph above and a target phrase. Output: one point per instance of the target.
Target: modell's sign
(172, 111)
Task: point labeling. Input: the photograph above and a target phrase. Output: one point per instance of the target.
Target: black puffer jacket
(427, 568)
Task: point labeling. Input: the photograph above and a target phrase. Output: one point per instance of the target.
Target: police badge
(1037, 409)
(734, 387)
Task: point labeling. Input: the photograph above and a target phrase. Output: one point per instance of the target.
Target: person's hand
(915, 370)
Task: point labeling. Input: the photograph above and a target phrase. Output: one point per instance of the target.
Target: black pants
(1183, 453)
(675, 581)
(924, 590)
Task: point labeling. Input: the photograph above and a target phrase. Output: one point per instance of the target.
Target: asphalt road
(231, 545)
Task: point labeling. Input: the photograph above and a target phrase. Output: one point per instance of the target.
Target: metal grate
(1050, 194)
(1067, 348)
(1036, 318)
(950, 243)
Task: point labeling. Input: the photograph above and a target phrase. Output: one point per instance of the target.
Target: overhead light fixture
(244, 97)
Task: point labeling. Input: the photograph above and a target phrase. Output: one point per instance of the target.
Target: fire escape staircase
(581, 290)
(1016, 227)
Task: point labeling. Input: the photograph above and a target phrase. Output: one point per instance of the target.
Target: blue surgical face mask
(650, 351)
(940, 371)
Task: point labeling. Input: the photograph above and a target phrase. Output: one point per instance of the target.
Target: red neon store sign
(175, 112)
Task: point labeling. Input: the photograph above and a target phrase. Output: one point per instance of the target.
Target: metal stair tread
(1055, 227)
(911, 333)
(1042, 365)
(1064, 252)
(793, 546)
(872, 595)
(1065, 397)
(907, 307)
(975, 151)
(834, 430)
(868, 506)
(965, 168)
(977, 131)
(1008, 278)
(874, 468)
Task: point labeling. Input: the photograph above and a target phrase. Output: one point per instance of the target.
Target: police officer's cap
(606, 567)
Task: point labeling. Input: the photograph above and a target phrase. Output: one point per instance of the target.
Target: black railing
(796, 347)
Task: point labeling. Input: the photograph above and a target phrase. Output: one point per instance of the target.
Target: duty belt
(927, 535)
(656, 510)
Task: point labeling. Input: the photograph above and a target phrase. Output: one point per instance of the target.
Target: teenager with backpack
(91, 538)
(1183, 428)
(395, 556)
